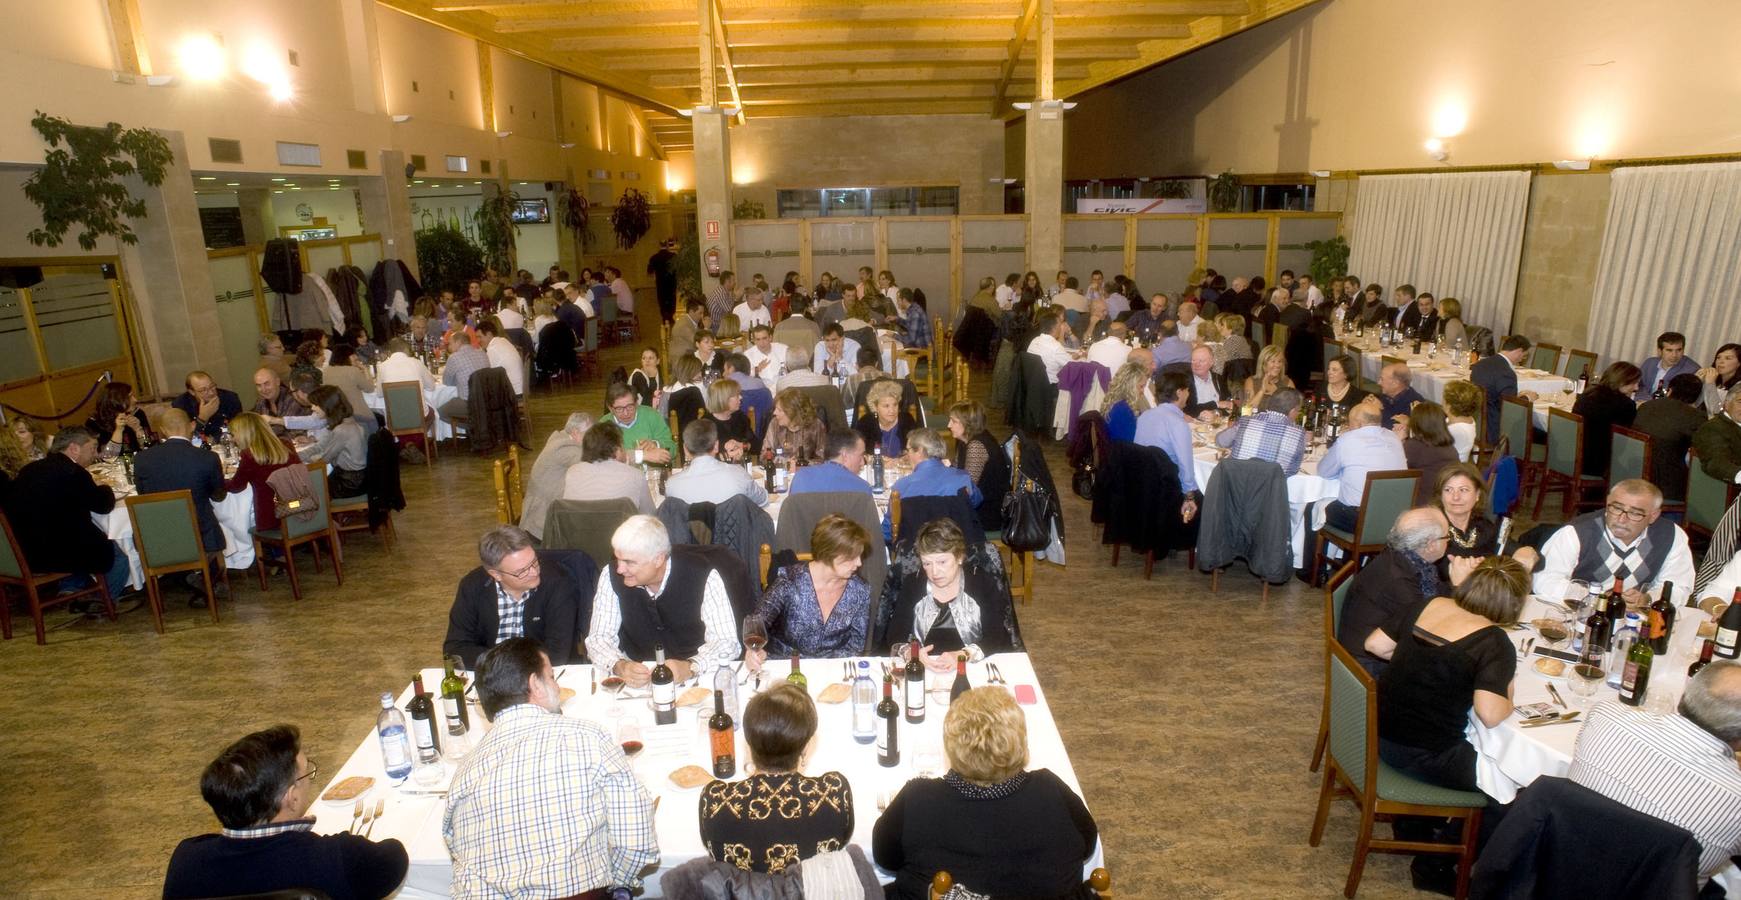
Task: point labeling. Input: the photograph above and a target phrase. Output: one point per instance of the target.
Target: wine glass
(1577, 596)
(1584, 679)
(629, 736)
(755, 637)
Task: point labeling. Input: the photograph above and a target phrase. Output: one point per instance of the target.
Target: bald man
(1400, 579)
(1395, 382)
(177, 465)
(1365, 446)
(208, 406)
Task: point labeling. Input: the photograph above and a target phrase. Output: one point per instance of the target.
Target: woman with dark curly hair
(119, 422)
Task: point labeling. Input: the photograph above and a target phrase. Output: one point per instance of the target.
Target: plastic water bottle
(395, 741)
(725, 684)
(864, 702)
(1624, 638)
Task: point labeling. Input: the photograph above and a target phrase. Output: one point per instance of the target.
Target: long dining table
(235, 514)
(1432, 371)
(1305, 487)
(413, 812)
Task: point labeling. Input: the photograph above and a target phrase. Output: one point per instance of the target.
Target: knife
(1556, 720)
(1556, 695)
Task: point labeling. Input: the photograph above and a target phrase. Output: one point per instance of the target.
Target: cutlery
(356, 815)
(368, 817)
(993, 674)
(1556, 695)
(380, 807)
(1556, 720)
(417, 793)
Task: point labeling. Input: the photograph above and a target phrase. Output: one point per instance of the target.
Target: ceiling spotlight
(1320, 173)
(201, 57)
(400, 120)
(1572, 165)
(232, 184)
(160, 80)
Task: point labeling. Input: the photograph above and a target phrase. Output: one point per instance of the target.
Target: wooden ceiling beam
(902, 107)
(606, 13)
(731, 78)
(850, 56)
(745, 37)
(1024, 24)
(828, 73)
(856, 93)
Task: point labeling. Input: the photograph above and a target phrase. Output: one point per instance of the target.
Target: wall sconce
(1572, 165)
(400, 120)
(503, 134)
(1437, 149)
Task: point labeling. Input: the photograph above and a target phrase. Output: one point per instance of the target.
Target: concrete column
(567, 240)
(172, 284)
(387, 208)
(712, 185)
(258, 223)
(1044, 187)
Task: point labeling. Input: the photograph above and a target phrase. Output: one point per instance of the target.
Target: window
(879, 201)
(458, 164)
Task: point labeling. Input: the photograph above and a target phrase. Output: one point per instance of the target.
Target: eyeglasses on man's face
(528, 570)
(1622, 511)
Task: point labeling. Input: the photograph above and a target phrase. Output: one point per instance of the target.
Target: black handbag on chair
(1026, 523)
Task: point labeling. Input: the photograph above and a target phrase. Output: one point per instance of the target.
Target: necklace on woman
(1464, 538)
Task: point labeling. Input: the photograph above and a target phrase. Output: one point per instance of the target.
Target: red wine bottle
(915, 685)
(664, 689)
(721, 739)
(1729, 629)
(1615, 608)
(423, 729)
(1660, 618)
(960, 686)
(1595, 636)
(888, 747)
(1703, 660)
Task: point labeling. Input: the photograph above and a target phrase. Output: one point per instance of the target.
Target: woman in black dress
(119, 422)
(645, 380)
(887, 425)
(1340, 389)
(777, 816)
(951, 601)
(1603, 405)
(979, 453)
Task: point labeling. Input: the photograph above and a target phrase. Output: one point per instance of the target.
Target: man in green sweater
(645, 432)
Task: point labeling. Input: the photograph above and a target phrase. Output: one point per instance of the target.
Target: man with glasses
(514, 594)
(208, 406)
(659, 594)
(259, 787)
(1629, 541)
(1401, 578)
(646, 435)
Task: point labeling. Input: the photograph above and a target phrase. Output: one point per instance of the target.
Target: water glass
(1584, 679)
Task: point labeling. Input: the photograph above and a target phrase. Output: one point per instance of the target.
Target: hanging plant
(81, 183)
(632, 218)
(496, 230)
(1329, 259)
(1224, 192)
(575, 212)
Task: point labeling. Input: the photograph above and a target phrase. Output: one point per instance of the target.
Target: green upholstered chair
(1629, 456)
(1355, 770)
(586, 525)
(1707, 497)
(407, 416)
(1332, 349)
(1545, 357)
(1563, 469)
(15, 572)
(294, 531)
(1579, 362)
(1335, 595)
(166, 532)
(1386, 496)
(1518, 432)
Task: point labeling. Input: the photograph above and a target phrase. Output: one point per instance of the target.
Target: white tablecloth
(235, 516)
(1304, 489)
(1510, 757)
(1431, 375)
(431, 400)
(416, 819)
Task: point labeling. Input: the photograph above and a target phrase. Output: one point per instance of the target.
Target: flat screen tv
(531, 212)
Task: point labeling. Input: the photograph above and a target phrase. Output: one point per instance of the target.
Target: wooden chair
(587, 352)
(895, 513)
(166, 531)
(407, 416)
(1563, 470)
(506, 477)
(1100, 881)
(1278, 335)
(586, 525)
(1355, 770)
(767, 559)
(1707, 498)
(1335, 595)
(292, 533)
(1545, 357)
(15, 572)
(914, 355)
(1385, 496)
(1579, 362)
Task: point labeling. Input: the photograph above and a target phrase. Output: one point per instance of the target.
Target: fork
(356, 815)
(367, 819)
(380, 807)
(993, 675)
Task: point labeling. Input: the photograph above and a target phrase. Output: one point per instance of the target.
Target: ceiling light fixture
(1572, 165)
(160, 80)
(400, 120)
(201, 57)
(503, 134)
(1320, 173)
(567, 146)
(1437, 149)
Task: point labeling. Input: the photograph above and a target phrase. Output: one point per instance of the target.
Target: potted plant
(1224, 192)
(1329, 259)
(1173, 189)
(575, 212)
(632, 218)
(496, 229)
(446, 258)
(81, 183)
(748, 209)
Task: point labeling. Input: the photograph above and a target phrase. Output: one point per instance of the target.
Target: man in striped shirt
(545, 807)
(1680, 769)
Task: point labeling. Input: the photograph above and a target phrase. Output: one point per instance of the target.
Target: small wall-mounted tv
(531, 212)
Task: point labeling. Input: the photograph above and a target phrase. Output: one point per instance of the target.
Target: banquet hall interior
(256, 201)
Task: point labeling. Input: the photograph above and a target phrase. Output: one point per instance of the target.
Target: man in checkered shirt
(1270, 433)
(545, 807)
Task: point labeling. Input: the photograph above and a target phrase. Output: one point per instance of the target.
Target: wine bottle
(664, 689)
(721, 739)
(797, 677)
(1729, 629)
(1595, 635)
(453, 702)
(888, 748)
(423, 722)
(915, 685)
(396, 747)
(1704, 658)
(1635, 677)
(1615, 608)
(960, 686)
(877, 467)
(1661, 618)
(725, 684)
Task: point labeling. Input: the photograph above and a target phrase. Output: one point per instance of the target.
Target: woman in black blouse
(997, 828)
(1604, 404)
(1340, 375)
(1461, 494)
(979, 453)
(777, 816)
(725, 399)
(1447, 658)
(888, 424)
(952, 602)
(119, 422)
(645, 380)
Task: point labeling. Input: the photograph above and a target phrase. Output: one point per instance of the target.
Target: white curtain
(1456, 234)
(1671, 261)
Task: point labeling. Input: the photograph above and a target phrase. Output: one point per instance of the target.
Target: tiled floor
(1189, 715)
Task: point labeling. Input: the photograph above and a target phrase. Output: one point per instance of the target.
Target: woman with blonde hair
(1271, 376)
(725, 399)
(795, 429)
(1451, 328)
(261, 454)
(996, 827)
(888, 424)
(1233, 343)
(1125, 399)
(1462, 404)
(31, 437)
(12, 456)
(1208, 333)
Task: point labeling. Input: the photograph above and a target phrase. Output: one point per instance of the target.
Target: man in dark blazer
(1719, 442)
(539, 598)
(1422, 317)
(1497, 375)
(1302, 350)
(176, 465)
(50, 505)
(1671, 422)
(1670, 360)
(209, 406)
(1209, 391)
(1402, 577)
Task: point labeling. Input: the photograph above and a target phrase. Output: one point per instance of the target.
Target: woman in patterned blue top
(820, 608)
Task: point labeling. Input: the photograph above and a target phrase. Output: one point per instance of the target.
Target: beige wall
(869, 151)
(1359, 84)
(1562, 243)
